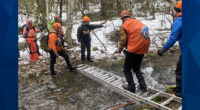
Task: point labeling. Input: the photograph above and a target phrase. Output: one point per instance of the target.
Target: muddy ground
(73, 91)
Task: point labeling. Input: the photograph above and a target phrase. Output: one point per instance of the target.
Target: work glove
(161, 51)
(58, 43)
(41, 29)
(125, 51)
(57, 55)
(26, 33)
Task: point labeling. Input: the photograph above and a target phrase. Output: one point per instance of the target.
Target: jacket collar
(127, 19)
(178, 15)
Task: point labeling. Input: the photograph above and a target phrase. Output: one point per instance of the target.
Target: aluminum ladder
(114, 82)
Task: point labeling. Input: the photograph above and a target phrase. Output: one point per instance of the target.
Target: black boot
(143, 88)
(72, 69)
(177, 92)
(82, 62)
(129, 88)
(53, 73)
(91, 61)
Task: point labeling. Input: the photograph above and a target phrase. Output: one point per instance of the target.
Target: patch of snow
(155, 34)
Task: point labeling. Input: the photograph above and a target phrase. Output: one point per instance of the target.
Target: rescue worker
(57, 20)
(57, 49)
(84, 39)
(176, 35)
(29, 32)
(135, 38)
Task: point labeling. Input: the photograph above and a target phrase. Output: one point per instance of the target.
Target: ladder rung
(116, 82)
(167, 101)
(87, 69)
(93, 70)
(153, 96)
(119, 84)
(102, 72)
(104, 77)
(109, 79)
(145, 94)
(83, 67)
(97, 75)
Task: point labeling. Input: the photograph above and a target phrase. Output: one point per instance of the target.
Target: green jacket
(51, 24)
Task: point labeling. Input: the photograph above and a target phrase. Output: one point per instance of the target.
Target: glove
(125, 51)
(57, 55)
(41, 29)
(161, 51)
(58, 43)
(26, 33)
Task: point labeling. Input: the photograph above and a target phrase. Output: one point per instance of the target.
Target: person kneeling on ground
(57, 49)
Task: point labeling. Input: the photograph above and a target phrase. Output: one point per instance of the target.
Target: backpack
(44, 42)
(27, 29)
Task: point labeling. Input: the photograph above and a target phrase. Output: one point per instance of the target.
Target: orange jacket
(52, 42)
(132, 38)
(32, 32)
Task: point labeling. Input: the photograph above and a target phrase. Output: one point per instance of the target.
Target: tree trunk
(85, 6)
(119, 6)
(47, 13)
(56, 7)
(69, 22)
(103, 9)
(36, 13)
(152, 8)
(61, 4)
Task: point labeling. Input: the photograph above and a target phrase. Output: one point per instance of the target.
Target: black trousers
(53, 60)
(178, 72)
(86, 45)
(37, 47)
(133, 61)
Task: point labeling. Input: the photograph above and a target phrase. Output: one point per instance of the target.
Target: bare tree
(47, 12)
(103, 9)
(69, 23)
(152, 8)
(36, 12)
(125, 4)
(61, 5)
(56, 7)
(119, 6)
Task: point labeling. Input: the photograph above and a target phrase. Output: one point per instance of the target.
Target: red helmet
(56, 26)
(56, 17)
(86, 19)
(178, 5)
(125, 13)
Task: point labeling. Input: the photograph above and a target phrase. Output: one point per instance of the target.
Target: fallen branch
(99, 40)
(120, 106)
